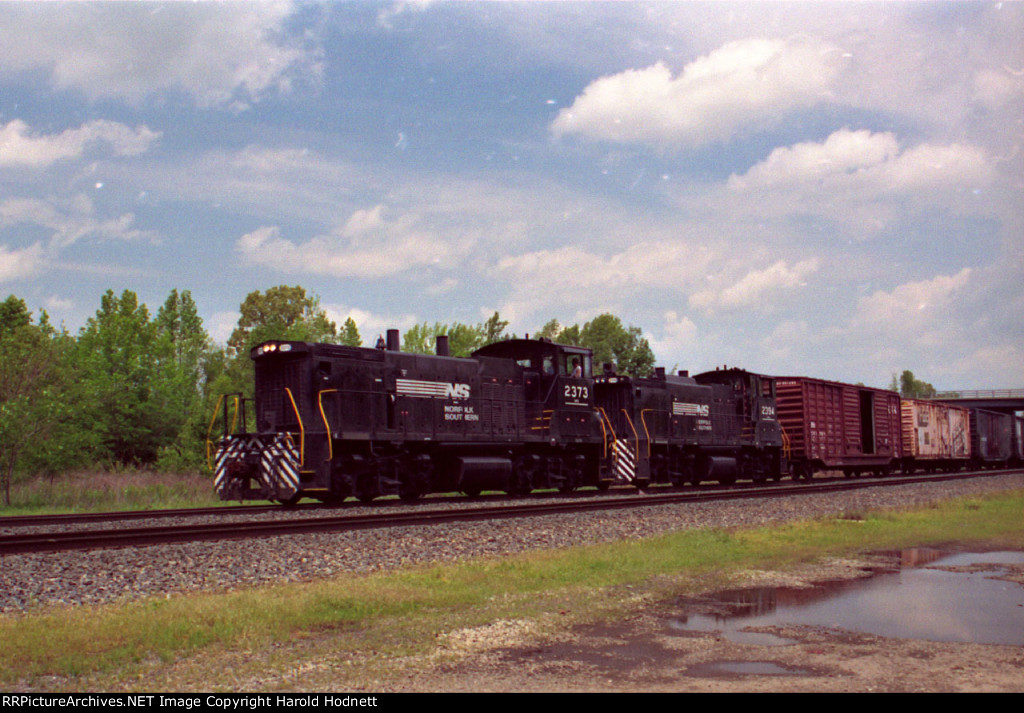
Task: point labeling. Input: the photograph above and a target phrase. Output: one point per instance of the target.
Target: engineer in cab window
(577, 370)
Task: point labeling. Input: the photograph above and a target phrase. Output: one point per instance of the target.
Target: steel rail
(134, 537)
(118, 515)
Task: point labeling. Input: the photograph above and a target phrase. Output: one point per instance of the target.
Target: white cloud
(667, 265)
(756, 288)
(678, 337)
(221, 53)
(862, 159)
(18, 147)
(367, 246)
(919, 312)
(743, 83)
(19, 264)
(70, 222)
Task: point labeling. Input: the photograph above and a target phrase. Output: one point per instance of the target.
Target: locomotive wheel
(366, 487)
(523, 474)
(290, 502)
(409, 495)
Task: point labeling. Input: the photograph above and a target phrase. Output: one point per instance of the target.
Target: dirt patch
(642, 653)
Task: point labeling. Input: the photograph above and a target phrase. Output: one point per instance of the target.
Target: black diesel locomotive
(334, 421)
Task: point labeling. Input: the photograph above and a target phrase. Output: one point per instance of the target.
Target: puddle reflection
(969, 604)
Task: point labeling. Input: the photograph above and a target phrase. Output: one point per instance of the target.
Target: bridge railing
(982, 394)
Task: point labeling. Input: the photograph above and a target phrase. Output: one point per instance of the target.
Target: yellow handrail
(631, 426)
(647, 431)
(209, 443)
(606, 420)
(302, 429)
(323, 415)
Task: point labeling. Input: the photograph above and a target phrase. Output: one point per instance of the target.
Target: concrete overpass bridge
(1002, 400)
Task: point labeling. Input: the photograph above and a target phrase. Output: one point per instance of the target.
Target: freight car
(991, 438)
(1017, 443)
(936, 436)
(334, 421)
(836, 426)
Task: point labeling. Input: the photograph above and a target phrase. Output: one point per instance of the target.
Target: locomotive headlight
(286, 347)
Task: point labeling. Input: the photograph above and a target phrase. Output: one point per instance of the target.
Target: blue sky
(831, 189)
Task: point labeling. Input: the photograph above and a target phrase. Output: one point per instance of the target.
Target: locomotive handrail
(323, 415)
(606, 420)
(632, 427)
(302, 429)
(647, 431)
(209, 431)
(213, 420)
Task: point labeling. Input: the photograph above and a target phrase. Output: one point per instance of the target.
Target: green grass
(402, 612)
(100, 490)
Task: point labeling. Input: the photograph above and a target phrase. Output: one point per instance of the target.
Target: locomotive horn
(442, 346)
(394, 341)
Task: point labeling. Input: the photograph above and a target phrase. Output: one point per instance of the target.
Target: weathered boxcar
(835, 426)
(936, 436)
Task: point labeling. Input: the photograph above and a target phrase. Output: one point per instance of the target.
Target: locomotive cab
(751, 399)
(559, 384)
(744, 414)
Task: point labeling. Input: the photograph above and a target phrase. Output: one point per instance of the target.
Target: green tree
(128, 403)
(624, 346)
(463, 339)
(350, 334)
(610, 342)
(31, 379)
(911, 388)
(280, 312)
(185, 354)
(493, 330)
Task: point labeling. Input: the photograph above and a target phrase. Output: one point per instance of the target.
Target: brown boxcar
(834, 426)
(936, 436)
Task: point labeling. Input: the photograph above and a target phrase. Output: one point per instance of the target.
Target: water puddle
(933, 596)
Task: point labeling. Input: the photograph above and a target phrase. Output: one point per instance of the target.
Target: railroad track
(134, 537)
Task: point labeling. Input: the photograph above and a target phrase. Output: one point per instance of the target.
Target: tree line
(133, 389)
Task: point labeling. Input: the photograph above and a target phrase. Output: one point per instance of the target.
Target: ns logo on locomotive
(333, 421)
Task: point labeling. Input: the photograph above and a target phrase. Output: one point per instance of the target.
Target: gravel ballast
(93, 577)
